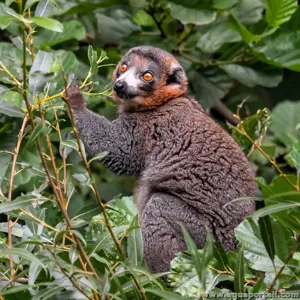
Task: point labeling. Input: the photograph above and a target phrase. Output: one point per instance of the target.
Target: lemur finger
(75, 98)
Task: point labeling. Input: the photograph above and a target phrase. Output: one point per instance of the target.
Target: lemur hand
(75, 98)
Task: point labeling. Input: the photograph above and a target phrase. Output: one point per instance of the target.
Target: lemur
(187, 167)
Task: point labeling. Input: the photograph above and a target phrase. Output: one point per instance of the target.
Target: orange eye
(147, 76)
(123, 68)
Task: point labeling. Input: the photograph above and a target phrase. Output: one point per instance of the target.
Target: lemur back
(187, 166)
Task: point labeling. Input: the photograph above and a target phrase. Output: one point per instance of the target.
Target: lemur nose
(119, 86)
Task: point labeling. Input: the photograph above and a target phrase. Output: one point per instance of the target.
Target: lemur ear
(176, 76)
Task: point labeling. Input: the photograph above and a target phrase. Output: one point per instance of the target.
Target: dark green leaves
(251, 77)
(239, 278)
(135, 244)
(21, 201)
(44, 8)
(295, 155)
(191, 15)
(39, 72)
(210, 86)
(11, 110)
(280, 191)
(280, 11)
(251, 129)
(71, 30)
(247, 36)
(285, 122)
(48, 23)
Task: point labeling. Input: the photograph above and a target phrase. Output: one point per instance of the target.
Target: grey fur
(187, 169)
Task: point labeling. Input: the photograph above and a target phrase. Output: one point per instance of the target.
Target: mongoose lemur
(187, 166)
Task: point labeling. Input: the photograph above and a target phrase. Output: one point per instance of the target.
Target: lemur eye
(123, 68)
(147, 76)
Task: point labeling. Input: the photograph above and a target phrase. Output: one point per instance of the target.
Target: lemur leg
(162, 234)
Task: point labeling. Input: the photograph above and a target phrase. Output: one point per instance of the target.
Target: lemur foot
(75, 98)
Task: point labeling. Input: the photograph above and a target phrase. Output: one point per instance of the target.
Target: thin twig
(19, 84)
(44, 163)
(280, 271)
(62, 152)
(272, 161)
(10, 189)
(70, 277)
(222, 109)
(95, 190)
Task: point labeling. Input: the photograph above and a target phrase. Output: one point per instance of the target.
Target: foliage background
(55, 245)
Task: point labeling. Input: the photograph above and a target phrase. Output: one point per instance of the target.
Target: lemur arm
(99, 134)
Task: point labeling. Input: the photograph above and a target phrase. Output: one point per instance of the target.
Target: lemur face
(147, 77)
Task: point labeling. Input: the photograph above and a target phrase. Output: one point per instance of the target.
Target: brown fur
(188, 168)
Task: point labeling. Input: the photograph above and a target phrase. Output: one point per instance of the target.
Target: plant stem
(272, 161)
(10, 189)
(95, 190)
(46, 168)
(280, 271)
(70, 277)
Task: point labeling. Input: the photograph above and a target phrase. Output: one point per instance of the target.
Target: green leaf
(70, 144)
(295, 155)
(9, 2)
(220, 255)
(11, 110)
(23, 253)
(48, 293)
(73, 254)
(166, 295)
(12, 97)
(42, 62)
(69, 63)
(247, 36)
(274, 208)
(38, 130)
(192, 16)
(266, 232)
(20, 202)
(99, 156)
(80, 236)
(142, 18)
(207, 256)
(270, 49)
(34, 271)
(14, 290)
(192, 248)
(135, 244)
(254, 126)
(249, 12)
(29, 3)
(93, 57)
(44, 8)
(217, 35)
(248, 234)
(280, 11)
(239, 273)
(48, 23)
(280, 191)
(39, 73)
(285, 122)
(224, 4)
(116, 25)
(5, 21)
(251, 77)
(260, 286)
(210, 85)
(71, 30)
(285, 241)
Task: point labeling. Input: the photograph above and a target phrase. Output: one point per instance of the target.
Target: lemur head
(147, 77)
